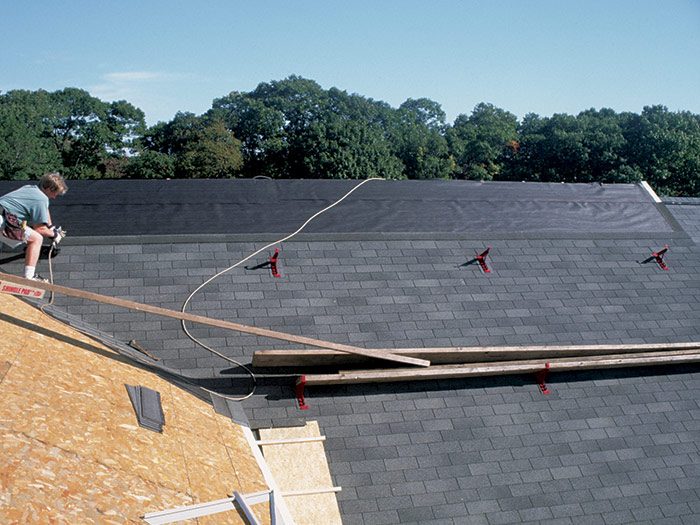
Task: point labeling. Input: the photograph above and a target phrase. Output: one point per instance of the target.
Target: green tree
(294, 128)
(483, 142)
(170, 138)
(664, 147)
(198, 147)
(302, 103)
(213, 152)
(347, 149)
(150, 164)
(26, 152)
(551, 149)
(86, 131)
(426, 112)
(260, 129)
(416, 134)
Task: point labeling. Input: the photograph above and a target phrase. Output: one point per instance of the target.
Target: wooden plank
(191, 512)
(504, 368)
(25, 291)
(310, 492)
(246, 507)
(302, 473)
(184, 316)
(278, 505)
(288, 441)
(454, 355)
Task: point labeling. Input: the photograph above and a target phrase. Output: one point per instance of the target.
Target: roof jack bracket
(271, 263)
(481, 259)
(299, 392)
(541, 377)
(659, 257)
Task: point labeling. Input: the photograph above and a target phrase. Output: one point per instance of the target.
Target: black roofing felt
(279, 206)
(604, 447)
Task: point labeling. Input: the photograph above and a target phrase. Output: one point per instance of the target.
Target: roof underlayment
(180, 207)
(393, 267)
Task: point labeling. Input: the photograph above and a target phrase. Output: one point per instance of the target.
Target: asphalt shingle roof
(687, 212)
(604, 447)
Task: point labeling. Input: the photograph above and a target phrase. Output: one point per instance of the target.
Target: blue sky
(539, 56)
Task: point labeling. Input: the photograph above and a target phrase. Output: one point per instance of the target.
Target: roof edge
(645, 185)
(395, 236)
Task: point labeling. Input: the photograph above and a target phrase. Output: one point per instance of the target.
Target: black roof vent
(146, 403)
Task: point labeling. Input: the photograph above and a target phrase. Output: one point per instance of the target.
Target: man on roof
(25, 217)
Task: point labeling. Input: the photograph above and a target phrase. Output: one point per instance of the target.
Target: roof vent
(146, 403)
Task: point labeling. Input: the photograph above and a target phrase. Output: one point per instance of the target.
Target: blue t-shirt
(28, 203)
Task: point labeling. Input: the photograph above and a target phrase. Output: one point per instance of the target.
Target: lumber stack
(460, 362)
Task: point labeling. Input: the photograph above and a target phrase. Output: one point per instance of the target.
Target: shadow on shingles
(470, 262)
(484, 384)
(12, 258)
(18, 255)
(275, 386)
(647, 260)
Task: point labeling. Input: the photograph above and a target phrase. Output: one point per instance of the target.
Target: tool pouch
(12, 228)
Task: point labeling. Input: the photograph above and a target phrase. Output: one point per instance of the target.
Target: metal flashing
(148, 408)
(644, 184)
(229, 408)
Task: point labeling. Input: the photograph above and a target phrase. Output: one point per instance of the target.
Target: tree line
(293, 128)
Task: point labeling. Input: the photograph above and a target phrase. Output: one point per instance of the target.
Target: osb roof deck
(72, 450)
(387, 268)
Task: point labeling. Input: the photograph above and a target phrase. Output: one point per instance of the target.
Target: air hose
(216, 276)
(222, 272)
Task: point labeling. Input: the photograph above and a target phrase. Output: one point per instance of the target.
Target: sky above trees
(540, 56)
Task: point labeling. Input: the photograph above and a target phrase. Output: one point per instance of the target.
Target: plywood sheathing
(4, 368)
(302, 466)
(72, 450)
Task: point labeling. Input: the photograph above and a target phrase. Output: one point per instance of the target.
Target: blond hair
(53, 182)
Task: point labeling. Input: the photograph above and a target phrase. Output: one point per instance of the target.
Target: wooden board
(301, 467)
(454, 355)
(23, 291)
(184, 316)
(503, 368)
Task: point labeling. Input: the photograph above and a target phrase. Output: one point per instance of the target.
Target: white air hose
(213, 277)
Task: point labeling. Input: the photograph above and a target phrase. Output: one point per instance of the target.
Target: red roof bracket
(271, 263)
(659, 257)
(299, 392)
(481, 259)
(542, 378)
